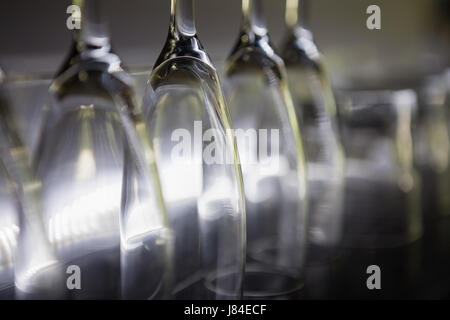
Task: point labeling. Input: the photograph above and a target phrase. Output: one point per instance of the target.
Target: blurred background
(413, 41)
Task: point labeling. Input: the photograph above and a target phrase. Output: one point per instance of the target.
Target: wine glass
(198, 164)
(316, 111)
(89, 138)
(383, 186)
(26, 253)
(272, 160)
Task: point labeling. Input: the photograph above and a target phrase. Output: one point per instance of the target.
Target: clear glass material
(272, 160)
(316, 111)
(9, 204)
(27, 259)
(109, 226)
(146, 239)
(198, 164)
(9, 230)
(433, 146)
(27, 98)
(38, 273)
(383, 186)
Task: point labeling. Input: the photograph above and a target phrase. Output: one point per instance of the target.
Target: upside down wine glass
(198, 164)
(25, 251)
(90, 138)
(272, 160)
(316, 111)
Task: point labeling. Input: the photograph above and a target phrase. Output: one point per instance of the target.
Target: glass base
(273, 272)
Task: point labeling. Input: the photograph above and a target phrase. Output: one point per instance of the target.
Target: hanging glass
(316, 111)
(89, 138)
(198, 164)
(272, 159)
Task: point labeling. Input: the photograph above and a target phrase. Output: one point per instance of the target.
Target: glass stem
(93, 31)
(254, 30)
(253, 17)
(297, 13)
(182, 22)
(182, 40)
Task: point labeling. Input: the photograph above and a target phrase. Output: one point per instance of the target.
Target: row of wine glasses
(110, 189)
(99, 203)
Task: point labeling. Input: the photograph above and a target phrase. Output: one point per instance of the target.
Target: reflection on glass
(26, 255)
(272, 160)
(316, 111)
(383, 203)
(87, 136)
(9, 206)
(9, 229)
(198, 164)
(28, 100)
(146, 241)
(38, 273)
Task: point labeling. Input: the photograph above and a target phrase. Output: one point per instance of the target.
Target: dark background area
(413, 41)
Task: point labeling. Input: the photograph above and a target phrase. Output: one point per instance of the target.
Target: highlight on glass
(316, 112)
(275, 178)
(196, 155)
(88, 139)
